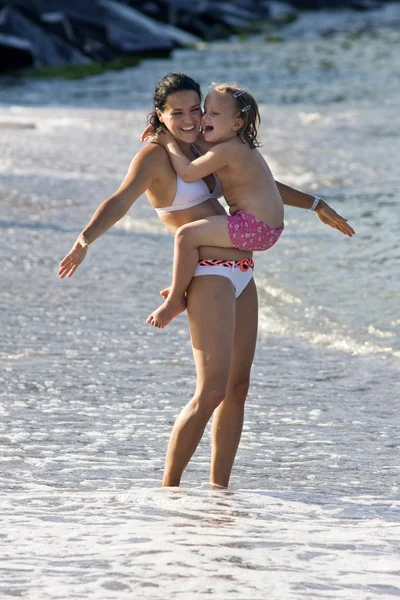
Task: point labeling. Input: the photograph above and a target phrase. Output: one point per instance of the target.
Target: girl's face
(182, 115)
(220, 120)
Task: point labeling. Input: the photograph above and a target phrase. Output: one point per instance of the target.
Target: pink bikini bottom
(249, 233)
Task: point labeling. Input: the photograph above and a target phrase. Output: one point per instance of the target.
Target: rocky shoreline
(81, 33)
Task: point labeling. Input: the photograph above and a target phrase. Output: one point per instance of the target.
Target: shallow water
(89, 392)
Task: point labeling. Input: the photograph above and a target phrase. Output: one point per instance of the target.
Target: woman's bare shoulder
(152, 158)
(152, 152)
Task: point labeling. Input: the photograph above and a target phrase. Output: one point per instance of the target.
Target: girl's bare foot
(166, 312)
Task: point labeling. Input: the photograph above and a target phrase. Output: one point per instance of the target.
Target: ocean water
(89, 391)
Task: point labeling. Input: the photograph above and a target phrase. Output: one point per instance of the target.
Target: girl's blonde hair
(247, 109)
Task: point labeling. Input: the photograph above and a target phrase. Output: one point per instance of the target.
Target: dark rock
(79, 31)
(15, 53)
(140, 32)
(56, 32)
(316, 4)
(45, 47)
(209, 19)
(97, 28)
(152, 28)
(365, 4)
(333, 4)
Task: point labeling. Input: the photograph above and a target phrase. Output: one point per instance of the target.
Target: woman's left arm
(292, 197)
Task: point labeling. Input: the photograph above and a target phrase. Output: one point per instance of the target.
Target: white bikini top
(191, 194)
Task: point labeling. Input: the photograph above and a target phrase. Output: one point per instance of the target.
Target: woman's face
(182, 115)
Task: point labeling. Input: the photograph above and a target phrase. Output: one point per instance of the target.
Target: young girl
(230, 122)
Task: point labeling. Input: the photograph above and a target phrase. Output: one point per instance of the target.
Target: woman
(223, 328)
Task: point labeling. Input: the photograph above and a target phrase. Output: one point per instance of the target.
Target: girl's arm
(141, 173)
(326, 214)
(213, 160)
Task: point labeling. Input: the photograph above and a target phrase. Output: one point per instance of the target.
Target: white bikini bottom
(240, 272)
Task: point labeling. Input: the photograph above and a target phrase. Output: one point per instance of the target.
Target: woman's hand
(327, 215)
(71, 262)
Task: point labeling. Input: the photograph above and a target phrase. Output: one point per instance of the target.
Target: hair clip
(238, 93)
(246, 108)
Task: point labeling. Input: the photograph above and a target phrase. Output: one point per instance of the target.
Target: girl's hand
(327, 215)
(71, 262)
(164, 137)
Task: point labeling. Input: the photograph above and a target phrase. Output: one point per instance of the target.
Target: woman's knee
(238, 389)
(210, 396)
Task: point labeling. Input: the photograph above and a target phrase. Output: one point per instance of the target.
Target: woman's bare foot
(164, 293)
(166, 312)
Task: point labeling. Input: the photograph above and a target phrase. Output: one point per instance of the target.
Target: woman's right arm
(142, 172)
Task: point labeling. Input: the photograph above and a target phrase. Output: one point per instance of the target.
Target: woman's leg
(211, 310)
(188, 239)
(228, 417)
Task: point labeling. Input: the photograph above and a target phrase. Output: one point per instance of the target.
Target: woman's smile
(182, 115)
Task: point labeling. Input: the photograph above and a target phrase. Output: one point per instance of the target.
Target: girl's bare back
(249, 185)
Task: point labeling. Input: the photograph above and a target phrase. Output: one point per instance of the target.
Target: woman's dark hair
(248, 111)
(170, 84)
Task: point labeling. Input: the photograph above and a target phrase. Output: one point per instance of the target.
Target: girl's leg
(228, 417)
(188, 239)
(211, 309)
